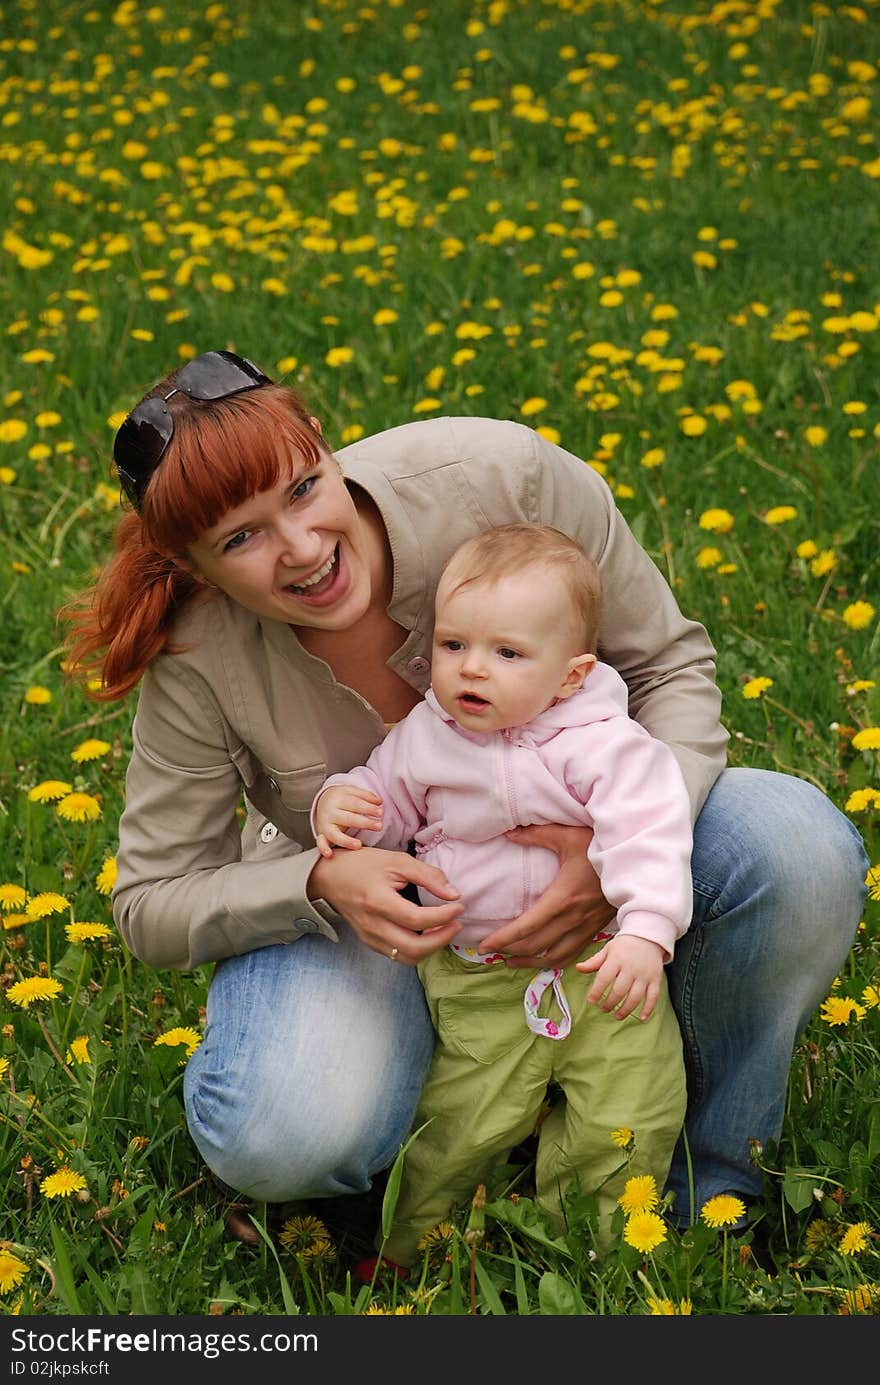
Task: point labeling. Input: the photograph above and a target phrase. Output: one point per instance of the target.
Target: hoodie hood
(604, 695)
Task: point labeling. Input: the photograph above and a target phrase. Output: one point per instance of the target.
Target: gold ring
(393, 954)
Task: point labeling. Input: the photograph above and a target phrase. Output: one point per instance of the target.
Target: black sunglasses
(141, 441)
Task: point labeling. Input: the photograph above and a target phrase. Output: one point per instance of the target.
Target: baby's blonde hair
(514, 548)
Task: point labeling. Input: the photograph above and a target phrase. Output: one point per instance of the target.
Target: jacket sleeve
(183, 895)
(667, 661)
(388, 774)
(636, 799)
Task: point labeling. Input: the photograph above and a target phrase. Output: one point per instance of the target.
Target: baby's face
(502, 651)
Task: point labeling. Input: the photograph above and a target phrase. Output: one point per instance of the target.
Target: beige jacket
(245, 709)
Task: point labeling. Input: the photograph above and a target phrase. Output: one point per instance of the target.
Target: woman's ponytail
(119, 625)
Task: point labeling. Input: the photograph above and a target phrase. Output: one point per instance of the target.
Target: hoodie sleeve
(642, 840)
(388, 773)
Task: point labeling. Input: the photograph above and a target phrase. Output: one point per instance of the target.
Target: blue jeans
(314, 1053)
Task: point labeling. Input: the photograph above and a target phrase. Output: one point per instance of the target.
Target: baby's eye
(452, 645)
(508, 653)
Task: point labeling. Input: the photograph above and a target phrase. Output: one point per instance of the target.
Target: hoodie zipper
(507, 751)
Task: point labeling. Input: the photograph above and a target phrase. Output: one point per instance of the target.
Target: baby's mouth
(472, 703)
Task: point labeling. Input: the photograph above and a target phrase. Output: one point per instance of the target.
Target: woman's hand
(364, 886)
(559, 925)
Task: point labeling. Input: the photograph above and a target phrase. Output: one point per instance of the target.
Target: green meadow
(646, 228)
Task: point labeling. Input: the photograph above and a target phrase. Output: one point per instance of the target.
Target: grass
(647, 229)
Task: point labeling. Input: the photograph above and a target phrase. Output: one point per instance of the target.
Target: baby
(522, 724)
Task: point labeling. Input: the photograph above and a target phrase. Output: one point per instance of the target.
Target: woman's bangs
(220, 456)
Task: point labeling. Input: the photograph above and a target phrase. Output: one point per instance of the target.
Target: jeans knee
(280, 1150)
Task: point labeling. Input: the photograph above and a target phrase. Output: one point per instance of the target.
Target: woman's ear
(316, 424)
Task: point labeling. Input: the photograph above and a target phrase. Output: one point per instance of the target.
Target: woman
(275, 602)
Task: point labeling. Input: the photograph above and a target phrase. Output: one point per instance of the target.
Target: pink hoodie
(582, 762)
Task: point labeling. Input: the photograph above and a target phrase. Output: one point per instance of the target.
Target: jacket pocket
(483, 1030)
(284, 797)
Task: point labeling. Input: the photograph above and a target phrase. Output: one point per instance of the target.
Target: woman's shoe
(239, 1225)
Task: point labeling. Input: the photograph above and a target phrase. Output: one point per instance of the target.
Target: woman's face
(299, 552)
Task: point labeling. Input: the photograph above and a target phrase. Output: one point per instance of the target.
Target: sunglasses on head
(142, 439)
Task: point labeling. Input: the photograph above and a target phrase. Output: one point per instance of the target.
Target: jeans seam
(692, 1053)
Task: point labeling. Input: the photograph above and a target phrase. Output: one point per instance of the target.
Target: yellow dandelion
(33, 988)
(12, 430)
(780, 514)
(86, 932)
(858, 1300)
(4, 1067)
(339, 355)
(860, 799)
(824, 562)
(858, 615)
(693, 425)
(644, 1231)
(12, 1271)
(709, 557)
(49, 791)
(871, 997)
(12, 897)
(106, 877)
(716, 521)
(62, 1183)
(868, 739)
(622, 1136)
(653, 457)
(639, 1194)
(872, 880)
(855, 1238)
(16, 921)
(383, 317)
(181, 1035)
(79, 1050)
(665, 1308)
(439, 1237)
(722, 1211)
(89, 750)
(532, 406)
(815, 435)
(37, 696)
(839, 1010)
(40, 906)
(79, 807)
(401, 1310)
(756, 687)
(300, 1233)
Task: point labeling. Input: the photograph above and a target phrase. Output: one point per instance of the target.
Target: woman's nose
(296, 546)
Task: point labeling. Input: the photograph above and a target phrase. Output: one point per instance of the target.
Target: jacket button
(306, 925)
(268, 832)
(418, 665)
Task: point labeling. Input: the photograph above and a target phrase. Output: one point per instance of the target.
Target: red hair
(221, 454)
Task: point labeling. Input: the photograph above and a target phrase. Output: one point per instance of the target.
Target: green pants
(488, 1079)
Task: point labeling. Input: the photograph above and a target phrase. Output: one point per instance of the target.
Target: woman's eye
(303, 488)
(237, 540)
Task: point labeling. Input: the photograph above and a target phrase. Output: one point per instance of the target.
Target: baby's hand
(344, 806)
(628, 974)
